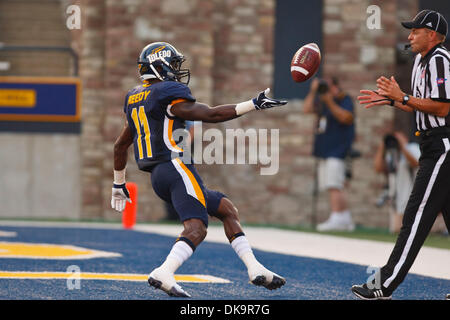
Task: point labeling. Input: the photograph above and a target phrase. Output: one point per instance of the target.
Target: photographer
(334, 136)
(398, 159)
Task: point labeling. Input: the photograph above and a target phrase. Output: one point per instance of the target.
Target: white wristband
(245, 107)
(119, 176)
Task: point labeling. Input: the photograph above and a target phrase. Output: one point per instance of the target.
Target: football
(305, 62)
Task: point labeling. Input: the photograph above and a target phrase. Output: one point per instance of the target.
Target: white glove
(120, 196)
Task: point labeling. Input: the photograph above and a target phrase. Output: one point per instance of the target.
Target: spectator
(398, 159)
(333, 140)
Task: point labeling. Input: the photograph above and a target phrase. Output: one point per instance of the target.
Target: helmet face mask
(160, 60)
(180, 74)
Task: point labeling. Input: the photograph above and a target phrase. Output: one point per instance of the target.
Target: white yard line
(431, 262)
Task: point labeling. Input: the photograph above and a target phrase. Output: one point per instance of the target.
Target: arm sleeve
(440, 78)
(347, 104)
(173, 91)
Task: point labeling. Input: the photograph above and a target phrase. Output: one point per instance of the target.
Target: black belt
(434, 131)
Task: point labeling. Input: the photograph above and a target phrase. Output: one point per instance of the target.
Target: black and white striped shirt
(431, 79)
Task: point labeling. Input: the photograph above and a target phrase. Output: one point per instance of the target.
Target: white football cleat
(165, 281)
(260, 276)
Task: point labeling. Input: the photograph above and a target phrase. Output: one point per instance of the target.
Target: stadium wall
(229, 47)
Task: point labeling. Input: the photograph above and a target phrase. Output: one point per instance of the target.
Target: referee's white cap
(429, 19)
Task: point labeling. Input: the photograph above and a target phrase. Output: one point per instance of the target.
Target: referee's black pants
(430, 195)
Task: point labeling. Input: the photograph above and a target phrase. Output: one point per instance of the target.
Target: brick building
(229, 45)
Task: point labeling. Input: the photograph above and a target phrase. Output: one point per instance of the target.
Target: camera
(392, 153)
(390, 142)
(323, 86)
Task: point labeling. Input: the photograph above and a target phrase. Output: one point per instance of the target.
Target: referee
(430, 101)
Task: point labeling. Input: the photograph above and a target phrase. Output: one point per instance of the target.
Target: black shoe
(277, 282)
(363, 292)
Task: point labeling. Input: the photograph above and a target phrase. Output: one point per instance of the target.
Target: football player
(153, 111)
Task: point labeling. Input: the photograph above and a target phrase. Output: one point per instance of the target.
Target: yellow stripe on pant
(191, 180)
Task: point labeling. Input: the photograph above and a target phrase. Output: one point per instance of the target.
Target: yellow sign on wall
(22, 98)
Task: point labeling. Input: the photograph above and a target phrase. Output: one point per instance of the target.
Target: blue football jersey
(152, 125)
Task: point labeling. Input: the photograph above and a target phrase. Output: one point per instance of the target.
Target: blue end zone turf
(307, 278)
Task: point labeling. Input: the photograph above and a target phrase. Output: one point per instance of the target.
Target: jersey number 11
(141, 122)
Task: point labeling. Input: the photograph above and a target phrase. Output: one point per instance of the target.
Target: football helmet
(161, 60)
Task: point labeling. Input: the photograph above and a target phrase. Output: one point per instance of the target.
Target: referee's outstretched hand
(372, 98)
(389, 88)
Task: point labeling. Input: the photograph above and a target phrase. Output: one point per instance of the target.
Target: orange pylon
(129, 213)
